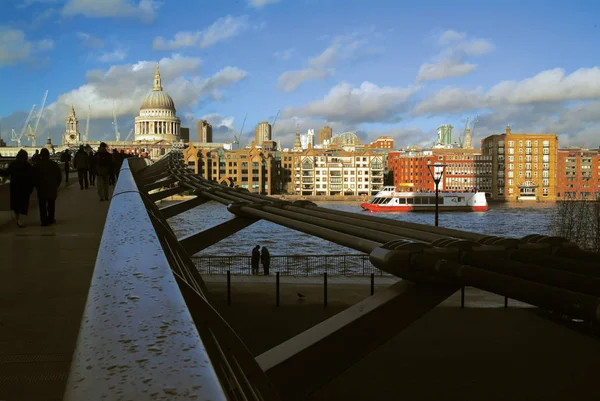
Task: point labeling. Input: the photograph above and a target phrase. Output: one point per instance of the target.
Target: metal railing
(291, 265)
(147, 319)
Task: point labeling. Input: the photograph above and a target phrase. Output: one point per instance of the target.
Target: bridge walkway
(45, 274)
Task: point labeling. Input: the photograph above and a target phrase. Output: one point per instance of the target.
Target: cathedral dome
(157, 98)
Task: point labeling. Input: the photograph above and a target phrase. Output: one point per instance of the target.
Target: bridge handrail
(137, 338)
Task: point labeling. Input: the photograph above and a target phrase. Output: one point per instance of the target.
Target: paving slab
(44, 280)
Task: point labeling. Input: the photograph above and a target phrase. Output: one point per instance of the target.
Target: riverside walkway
(45, 275)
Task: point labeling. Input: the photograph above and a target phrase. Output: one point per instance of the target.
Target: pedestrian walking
(255, 259)
(35, 158)
(20, 173)
(265, 258)
(65, 157)
(47, 178)
(92, 168)
(81, 163)
(104, 169)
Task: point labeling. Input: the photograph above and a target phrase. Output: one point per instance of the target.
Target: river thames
(502, 219)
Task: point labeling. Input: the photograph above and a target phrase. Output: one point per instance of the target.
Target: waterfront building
(262, 133)
(320, 172)
(254, 169)
(382, 142)
(524, 166)
(466, 170)
(158, 119)
(204, 132)
(325, 134)
(578, 174)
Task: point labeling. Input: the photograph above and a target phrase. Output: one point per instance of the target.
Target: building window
(511, 143)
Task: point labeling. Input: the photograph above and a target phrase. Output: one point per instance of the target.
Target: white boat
(388, 200)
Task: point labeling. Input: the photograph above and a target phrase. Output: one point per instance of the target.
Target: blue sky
(398, 68)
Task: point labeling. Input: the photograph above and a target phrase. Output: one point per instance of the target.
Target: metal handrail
(291, 265)
(137, 336)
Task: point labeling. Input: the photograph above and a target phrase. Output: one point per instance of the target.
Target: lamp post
(437, 171)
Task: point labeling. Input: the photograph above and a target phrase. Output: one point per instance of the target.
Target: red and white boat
(388, 200)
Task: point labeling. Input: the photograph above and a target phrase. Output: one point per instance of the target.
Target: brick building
(466, 170)
(257, 170)
(578, 174)
(524, 166)
(383, 142)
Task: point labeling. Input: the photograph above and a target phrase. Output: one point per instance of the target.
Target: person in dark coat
(21, 185)
(35, 158)
(265, 258)
(47, 180)
(92, 169)
(255, 259)
(104, 169)
(66, 159)
(81, 163)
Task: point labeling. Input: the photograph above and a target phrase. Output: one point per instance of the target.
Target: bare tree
(578, 220)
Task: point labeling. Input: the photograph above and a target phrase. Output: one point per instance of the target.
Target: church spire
(72, 110)
(297, 143)
(157, 81)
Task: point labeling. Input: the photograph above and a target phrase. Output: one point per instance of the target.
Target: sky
(377, 67)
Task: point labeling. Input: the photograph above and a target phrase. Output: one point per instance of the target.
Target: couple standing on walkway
(45, 176)
(264, 257)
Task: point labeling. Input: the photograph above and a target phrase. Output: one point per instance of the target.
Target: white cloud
(109, 57)
(261, 3)
(444, 69)
(451, 36)
(284, 54)
(15, 48)
(322, 66)
(367, 103)
(451, 61)
(145, 10)
(90, 41)
(547, 86)
(222, 29)
(126, 85)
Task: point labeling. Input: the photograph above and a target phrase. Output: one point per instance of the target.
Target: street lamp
(437, 172)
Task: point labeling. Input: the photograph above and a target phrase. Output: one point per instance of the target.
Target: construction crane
(274, 121)
(128, 135)
(462, 138)
(117, 133)
(32, 133)
(87, 125)
(17, 138)
(236, 138)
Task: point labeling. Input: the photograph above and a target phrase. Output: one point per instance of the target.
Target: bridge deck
(44, 279)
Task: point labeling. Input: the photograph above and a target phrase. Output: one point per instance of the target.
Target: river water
(510, 220)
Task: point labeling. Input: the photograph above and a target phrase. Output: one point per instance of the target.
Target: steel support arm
(359, 244)
(174, 210)
(195, 243)
(310, 360)
(166, 193)
(160, 184)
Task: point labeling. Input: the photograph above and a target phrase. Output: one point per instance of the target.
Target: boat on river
(388, 200)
